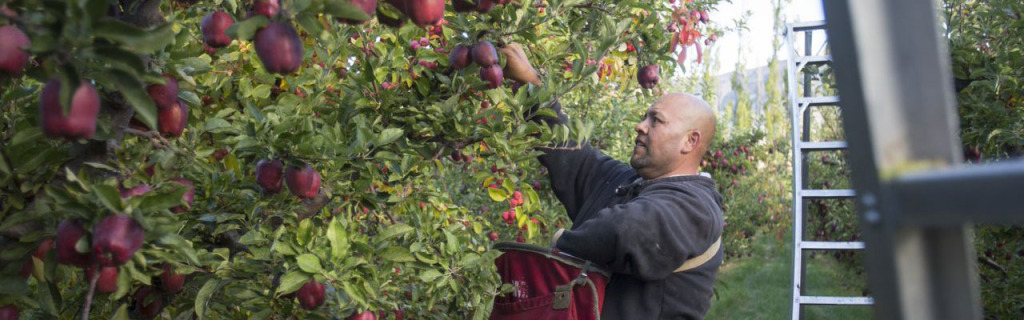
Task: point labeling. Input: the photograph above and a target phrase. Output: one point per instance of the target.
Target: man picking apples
(656, 222)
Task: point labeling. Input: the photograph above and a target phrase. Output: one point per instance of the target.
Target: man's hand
(517, 66)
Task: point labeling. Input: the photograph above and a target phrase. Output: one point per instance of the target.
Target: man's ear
(692, 141)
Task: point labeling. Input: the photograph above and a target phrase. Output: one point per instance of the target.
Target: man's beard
(638, 161)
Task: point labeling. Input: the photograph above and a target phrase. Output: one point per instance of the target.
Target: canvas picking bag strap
(702, 258)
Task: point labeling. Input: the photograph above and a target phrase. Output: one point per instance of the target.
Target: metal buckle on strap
(563, 296)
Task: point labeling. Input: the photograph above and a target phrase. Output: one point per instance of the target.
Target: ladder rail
(795, 110)
(801, 144)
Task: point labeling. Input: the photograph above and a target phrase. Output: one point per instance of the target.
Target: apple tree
(259, 159)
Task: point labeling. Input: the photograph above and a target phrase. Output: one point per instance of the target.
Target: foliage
(400, 222)
(985, 40)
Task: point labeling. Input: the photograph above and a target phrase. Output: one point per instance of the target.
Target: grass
(759, 286)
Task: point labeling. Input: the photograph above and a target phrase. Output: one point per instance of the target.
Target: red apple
(189, 196)
(493, 236)
(115, 239)
(150, 309)
(304, 182)
(492, 75)
(311, 295)
(80, 122)
(171, 281)
(459, 58)
(424, 12)
(171, 122)
(266, 8)
(68, 234)
(368, 7)
(9, 312)
(269, 174)
(279, 48)
(647, 76)
(365, 315)
(164, 95)
(13, 57)
(107, 281)
(40, 253)
(484, 54)
(136, 191)
(213, 27)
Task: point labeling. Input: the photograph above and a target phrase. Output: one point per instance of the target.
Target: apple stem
(92, 289)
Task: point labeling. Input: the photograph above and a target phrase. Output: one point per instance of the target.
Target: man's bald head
(672, 138)
(695, 113)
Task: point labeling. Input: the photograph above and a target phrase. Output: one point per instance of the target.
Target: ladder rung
(808, 25)
(818, 101)
(828, 193)
(845, 301)
(814, 59)
(831, 245)
(823, 146)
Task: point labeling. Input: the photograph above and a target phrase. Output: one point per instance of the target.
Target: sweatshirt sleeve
(648, 237)
(575, 172)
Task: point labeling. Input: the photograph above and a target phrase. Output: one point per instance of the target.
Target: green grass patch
(759, 286)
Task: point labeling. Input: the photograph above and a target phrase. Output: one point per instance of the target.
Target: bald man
(656, 222)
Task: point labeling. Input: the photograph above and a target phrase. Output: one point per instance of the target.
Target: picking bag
(550, 285)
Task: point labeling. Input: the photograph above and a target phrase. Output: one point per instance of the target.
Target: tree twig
(991, 263)
(92, 290)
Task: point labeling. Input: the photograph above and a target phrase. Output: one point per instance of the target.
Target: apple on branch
(213, 27)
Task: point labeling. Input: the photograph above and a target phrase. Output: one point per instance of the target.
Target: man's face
(657, 141)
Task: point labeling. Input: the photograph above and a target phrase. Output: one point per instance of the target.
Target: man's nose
(641, 127)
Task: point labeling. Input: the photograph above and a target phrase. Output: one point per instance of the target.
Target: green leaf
(215, 123)
(394, 231)
(134, 38)
(190, 98)
(389, 135)
(121, 59)
(245, 29)
(203, 297)
(121, 313)
(262, 314)
(109, 197)
(339, 240)
(345, 9)
(261, 91)
(531, 230)
(309, 23)
(292, 281)
(162, 201)
(24, 135)
(124, 284)
(12, 285)
(353, 293)
(397, 254)
(497, 194)
(136, 96)
(305, 232)
(200, 64)
(309, 263)
(429, 275)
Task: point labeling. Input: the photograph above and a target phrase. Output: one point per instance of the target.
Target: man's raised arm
(574, 170)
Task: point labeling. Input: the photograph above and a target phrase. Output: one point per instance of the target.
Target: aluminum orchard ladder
(916, 201)
(800, 106)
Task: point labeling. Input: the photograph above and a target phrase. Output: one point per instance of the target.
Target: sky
(756, 40)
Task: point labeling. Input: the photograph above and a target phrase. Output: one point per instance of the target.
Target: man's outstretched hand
(517, 66)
